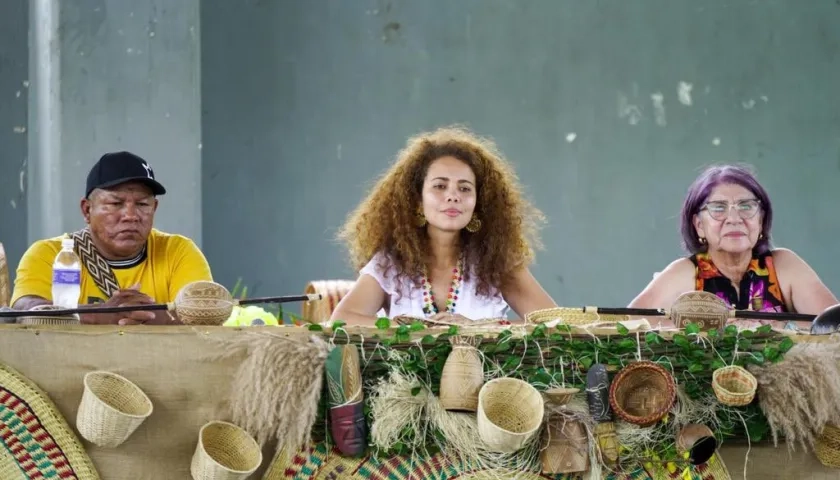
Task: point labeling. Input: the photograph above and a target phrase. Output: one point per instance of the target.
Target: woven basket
(111, 409)
(204, 303)
(332, 291)
(642, 393)
(734, 386)
(462, 376)
(224, 452)
(47, 319)
(571, 316)
(705, 309)
(828, 446)
(510, 414)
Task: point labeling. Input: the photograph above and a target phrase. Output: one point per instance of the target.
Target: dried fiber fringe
(395, 410)
(277, 389)
(799, 395)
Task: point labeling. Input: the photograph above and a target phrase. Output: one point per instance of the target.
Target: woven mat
(319, 463)
(36, 442)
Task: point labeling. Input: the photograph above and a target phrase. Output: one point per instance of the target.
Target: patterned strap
(98, 268)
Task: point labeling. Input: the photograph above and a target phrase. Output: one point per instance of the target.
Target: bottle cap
(67, 243)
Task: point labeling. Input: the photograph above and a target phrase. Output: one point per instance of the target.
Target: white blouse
(410, 303)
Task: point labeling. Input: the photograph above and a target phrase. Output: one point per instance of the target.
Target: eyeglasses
(720, 210)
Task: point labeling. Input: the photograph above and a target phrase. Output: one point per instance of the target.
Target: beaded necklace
(429, 306)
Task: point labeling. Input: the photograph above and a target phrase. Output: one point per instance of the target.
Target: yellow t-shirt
(171, 262)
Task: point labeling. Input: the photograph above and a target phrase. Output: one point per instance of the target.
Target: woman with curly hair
(445, 234)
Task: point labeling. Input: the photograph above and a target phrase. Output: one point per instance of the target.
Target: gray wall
(303, 103)
(14, 80)
(113, 75)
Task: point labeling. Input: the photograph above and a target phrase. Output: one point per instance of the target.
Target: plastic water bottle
(67, 276)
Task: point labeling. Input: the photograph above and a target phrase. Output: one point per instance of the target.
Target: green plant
(546, 357)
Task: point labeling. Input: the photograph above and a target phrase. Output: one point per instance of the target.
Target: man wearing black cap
(125, 261)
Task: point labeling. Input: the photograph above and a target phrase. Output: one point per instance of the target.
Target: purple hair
(703, 186)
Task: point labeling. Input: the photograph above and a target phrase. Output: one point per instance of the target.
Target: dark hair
(699, 191)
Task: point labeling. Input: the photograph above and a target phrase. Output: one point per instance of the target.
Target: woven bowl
(510, 413)
(642, 393)
(224, 452)
(734, 386)
(203, 303)
(828, 446)
(46, 319)
(559, 396)
(111, 409)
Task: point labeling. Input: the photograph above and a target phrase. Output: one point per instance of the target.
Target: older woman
(726, 221)
(445, 234)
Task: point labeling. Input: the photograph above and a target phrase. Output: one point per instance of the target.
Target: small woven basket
(734, 386)
(510, 413)
(224, 452)
(111, 409)
(332, 291)
(828, 446)
(572, 316)
(204, 303)
(642, 393)
(42, 317)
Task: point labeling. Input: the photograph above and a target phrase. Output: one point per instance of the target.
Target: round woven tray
(40, 316)
(571, 316)
(642, 393)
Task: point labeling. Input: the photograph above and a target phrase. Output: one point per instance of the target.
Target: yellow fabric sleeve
(34, 272)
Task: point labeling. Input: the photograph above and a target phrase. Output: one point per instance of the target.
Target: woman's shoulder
(786, 259)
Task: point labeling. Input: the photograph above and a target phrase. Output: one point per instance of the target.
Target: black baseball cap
(120, 167)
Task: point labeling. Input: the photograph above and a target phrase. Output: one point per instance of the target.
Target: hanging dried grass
(276, 391)
(799, 394)
(398, 413)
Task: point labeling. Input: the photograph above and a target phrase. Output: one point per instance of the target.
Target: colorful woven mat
(319, 463)
(36, 442)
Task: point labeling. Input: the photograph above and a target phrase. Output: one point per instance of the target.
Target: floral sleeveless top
(759, 289)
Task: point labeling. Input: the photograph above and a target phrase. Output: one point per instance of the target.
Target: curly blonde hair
(385, 221)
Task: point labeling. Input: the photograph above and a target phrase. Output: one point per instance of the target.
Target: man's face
(120, 218)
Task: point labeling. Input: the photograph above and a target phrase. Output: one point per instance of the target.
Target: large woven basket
(571, 316)
(111, 409)
(40, 316)
(734, 386)
(510, 413)
(642, 393)
(828, 446)
(332, 291)
(224, 452)
(204, 303)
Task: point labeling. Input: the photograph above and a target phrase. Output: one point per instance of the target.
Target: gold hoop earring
(474, 225)
(420, 219)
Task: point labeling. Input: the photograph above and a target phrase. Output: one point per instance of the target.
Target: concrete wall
(305, 102)
(268, 120)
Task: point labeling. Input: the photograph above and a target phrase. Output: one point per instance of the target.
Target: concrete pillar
(110, 75)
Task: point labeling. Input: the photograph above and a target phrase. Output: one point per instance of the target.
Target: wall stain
(391, 32)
